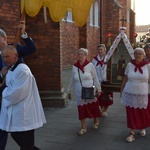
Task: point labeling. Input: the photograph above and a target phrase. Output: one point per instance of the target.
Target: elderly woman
(85, 71)
(135, 94)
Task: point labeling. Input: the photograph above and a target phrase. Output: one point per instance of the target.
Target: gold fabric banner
(58, 8)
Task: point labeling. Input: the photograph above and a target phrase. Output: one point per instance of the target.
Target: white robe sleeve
(17, 89)
(96, 81)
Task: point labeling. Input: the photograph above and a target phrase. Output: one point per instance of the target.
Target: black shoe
(36, 148)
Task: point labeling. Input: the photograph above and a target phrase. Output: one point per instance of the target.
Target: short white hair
(83, 50)
(102, 45)
(2, 33)
(140, 49)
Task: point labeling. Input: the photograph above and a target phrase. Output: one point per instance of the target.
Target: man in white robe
(21, 110)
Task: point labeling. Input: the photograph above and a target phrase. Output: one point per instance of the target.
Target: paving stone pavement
(60, 131)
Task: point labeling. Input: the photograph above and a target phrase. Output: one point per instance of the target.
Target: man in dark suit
(22, 51)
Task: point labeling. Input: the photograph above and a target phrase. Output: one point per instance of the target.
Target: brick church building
(58, 42)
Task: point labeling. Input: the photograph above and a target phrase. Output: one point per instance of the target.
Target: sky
(142, 9)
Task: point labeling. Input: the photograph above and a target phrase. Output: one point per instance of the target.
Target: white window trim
(96, 14)
(68, 17)
(128, 15)
(91, 16)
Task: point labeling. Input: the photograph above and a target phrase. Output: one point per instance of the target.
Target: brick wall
(73, 38)
(9, 16)
(93, 40)
(110, 20)
(111, 16)
(132, 26)
(125, 6)
(69, 43)
(46, 62)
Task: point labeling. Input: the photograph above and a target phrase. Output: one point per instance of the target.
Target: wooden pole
(17, 37)
(45, 14)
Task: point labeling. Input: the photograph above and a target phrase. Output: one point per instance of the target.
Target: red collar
(100, 62)
(81, 67)
(138, 66)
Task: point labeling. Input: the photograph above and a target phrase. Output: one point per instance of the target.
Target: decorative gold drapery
(58, 8)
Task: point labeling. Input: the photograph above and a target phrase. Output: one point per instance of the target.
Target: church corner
(58, 42)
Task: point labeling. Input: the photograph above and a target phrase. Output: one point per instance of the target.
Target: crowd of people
(89, 72)
(21, 114)
(21, 111)
(134, 89)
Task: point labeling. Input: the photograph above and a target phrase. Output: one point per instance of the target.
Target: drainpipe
(100, 14)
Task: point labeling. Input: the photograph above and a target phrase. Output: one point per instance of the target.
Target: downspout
(101, 13)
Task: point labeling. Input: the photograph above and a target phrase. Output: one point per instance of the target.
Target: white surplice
(21, 104)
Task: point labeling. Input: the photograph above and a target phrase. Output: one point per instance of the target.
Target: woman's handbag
(87, 92)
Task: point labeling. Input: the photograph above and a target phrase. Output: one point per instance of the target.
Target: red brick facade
(58, 43)
(73, 38)
(110, 20)
(132, 26)
(69, 43)
(9, 16)
(46, 62)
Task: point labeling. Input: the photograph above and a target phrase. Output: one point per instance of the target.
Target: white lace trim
(135, 100)
(85, 102)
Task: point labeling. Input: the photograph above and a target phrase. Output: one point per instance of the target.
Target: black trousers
(24, 139)
(3, 136)
(3, 139)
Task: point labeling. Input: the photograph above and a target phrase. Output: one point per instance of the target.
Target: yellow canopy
(58, 8)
